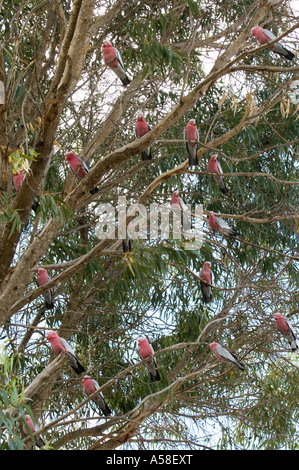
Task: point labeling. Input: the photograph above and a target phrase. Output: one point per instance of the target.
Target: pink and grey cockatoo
(113, 59)
(191, 138)
(264, 35)
(224, 355)
(38, 439)
(142, 128)
(219, 225)
(17, 182)
(207, 276)
(42, 278)
(61, 345)
(18, 179)
(78, 167)
(215, 167)
(181, 210)
(146, 353)
(286, 328)
(90, 386)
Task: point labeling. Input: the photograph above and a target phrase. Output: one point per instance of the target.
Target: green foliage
(155, 290)
(13, 408)
(55, 207)
(9, 215)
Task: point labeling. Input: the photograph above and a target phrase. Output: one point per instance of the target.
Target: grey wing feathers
(120, 70)
(278, 47)
(72, 359)
(269, 34)
(292, 337)
(119, 58)
(183, 205)
(67, 346)
(96, 384)
(84, 165)
(152, 366)
(222, 223)
(99, 399)
(229, 356)
(48, 296)
(221, 182)
(219, 168)
(186, 216)
(225, 227)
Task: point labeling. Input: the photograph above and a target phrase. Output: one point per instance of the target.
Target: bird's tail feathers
(125, 81)
(240, 365)
(35, 205)
(207, 298)
(155, 376)
(78, 368)
(286, 53)
(146, 156)
(127, 246)
(106, 410)
(193, 161)
(94, 191)
(224, 189)
(49, 305)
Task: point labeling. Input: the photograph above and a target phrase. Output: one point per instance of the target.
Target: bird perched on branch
(191, 136)
(60, 345)
(219, 225)
(113, 59)
(146, 353)
(42, 278)
(38, 439)
(286, 328)
(78, 167)
(181, 210)
(142, 128)
(207, 276)
(223, 354)
(215, 167)
(264, 35)
(17, 182)
(90, 386)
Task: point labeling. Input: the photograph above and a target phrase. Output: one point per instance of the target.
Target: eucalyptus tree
(186, 60)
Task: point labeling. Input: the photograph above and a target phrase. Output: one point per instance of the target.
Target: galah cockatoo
(61, 345)
(142, 128)
(17, 182)
(90, 386)
(191, 137)
(42, 278)
(218, 224)
(113, 59)
(224, 355)
(18, 179)
(215, 167)
(207, 276)
(146, 353)
(264, 35)
(181, 210)
(78, 167)
(38, 439)
(286, 328)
